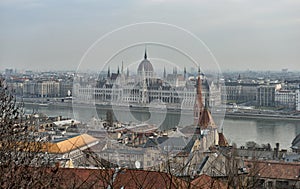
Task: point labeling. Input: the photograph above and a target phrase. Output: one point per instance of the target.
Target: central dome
(145, 65)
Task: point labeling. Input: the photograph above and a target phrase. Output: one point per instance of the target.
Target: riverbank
(273, 116)
(249, 114)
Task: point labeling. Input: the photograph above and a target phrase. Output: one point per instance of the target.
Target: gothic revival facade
(174, 90)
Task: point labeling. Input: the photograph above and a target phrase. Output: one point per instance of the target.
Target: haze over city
(150, 94)
(54, 35)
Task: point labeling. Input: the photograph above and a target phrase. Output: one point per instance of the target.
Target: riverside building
(145, 89)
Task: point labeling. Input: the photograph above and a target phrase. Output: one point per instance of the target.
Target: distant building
(41, 88)
(239, 92)
(297, 100)
(124, 157)
(8, 73)
(47, 89)
(30, 88)
(40, 85)
(174, 90)
(266, 96)
(285, 98)
(65, 88)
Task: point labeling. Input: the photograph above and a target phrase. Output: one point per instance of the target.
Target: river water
(237, 130)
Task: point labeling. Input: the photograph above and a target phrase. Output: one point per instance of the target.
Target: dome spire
(145, 56)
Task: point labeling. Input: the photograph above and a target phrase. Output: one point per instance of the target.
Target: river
(237, 130)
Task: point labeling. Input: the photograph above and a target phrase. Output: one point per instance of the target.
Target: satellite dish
(137, 164)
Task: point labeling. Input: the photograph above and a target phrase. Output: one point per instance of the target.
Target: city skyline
(241, 35)
(163, 93)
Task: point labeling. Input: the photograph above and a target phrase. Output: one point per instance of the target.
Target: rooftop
(69, 144)
(274, 170)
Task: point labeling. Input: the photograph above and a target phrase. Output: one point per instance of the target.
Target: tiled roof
(69, 144)
(115, 178)
(274, 170)
(127, 178)
(84, 178)
(206, 120)
(206, 182)
(147, 179)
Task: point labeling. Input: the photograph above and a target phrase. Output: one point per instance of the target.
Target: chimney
(276, 150)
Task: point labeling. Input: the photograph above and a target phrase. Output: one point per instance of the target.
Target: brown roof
(274, 170)
(206, 182)
(55, 177)
(147, 179)
(84, 178)
(101, 178)
(222, 140)
(206, 120)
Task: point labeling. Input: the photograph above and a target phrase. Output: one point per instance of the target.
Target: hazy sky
(54, 34)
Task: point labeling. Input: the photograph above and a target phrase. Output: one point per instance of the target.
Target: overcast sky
(54, 34)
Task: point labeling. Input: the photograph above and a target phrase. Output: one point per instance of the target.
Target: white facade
(174, 97)
(48, 89)
(175, 91)
(285, 98)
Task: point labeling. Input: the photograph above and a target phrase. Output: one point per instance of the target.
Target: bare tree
(20, 149)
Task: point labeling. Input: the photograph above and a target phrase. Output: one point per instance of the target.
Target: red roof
(206, 182)
(274, 170)
(147, 179)
(99, 178)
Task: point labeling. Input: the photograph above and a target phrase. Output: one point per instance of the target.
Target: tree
(21, 157)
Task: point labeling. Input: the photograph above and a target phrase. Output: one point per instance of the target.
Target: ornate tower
(198, 106)
(206, 128)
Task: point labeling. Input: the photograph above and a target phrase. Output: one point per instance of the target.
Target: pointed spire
(122, 68)
(165, 73)
(118, 72)
(127, 72)
(199, 96)
(108, 72)
(145, 56)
